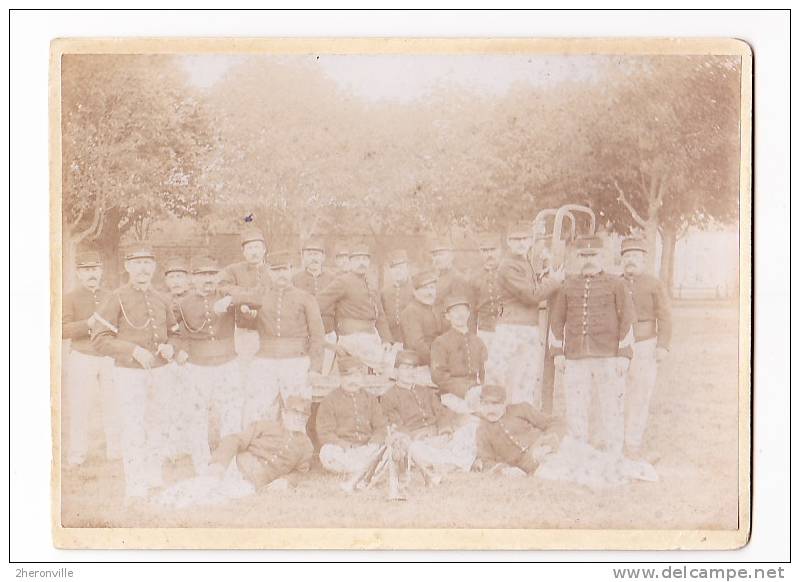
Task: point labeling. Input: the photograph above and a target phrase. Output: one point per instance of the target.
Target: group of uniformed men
(462, 354)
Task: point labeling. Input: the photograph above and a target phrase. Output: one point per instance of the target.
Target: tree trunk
(108, 245)
(651, 238)
(667, 272)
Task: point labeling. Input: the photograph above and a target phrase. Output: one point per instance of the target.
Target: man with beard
(516, 347)
(137, 327)
(291, 344)
(420, 322)
(88, 373)
(213, 374)
(247, 279)
(652, 331)
(485, 295)
(361, 325)
(397, 294)
(312, 279)
(591, 327)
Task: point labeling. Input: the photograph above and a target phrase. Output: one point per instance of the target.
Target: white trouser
(329, 354)
(368, 347)
(348, 461)
(582, 377)
(215, 390)
(444, 452)
(487, 337)
(88, 376)
(141, 398)
(515, 363)
(638, 390)
(246, 342)
(268, 378)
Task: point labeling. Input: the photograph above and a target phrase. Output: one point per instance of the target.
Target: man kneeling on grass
(428, 428)
(351, 428)
(510, 438)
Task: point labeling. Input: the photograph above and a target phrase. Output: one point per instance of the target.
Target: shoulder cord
(125, 315)
(186, 322)
(419, 403)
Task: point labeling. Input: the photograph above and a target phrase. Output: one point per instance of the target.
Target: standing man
(361, 324)
(450, 282)
(591, 333)
(88, 373)
(137, 327)
(176, 280)
(397, 294)
(249, 280)
(312, 279)
(214, 377)
(291, 344)
(486, 293)
(421, 324)
(652, 331)
(515, 348)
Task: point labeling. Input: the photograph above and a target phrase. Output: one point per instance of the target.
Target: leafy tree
(664, 139)
(132, 148)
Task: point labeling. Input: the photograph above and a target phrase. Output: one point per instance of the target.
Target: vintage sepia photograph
(393, 286)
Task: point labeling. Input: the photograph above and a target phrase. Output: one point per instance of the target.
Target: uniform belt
(347, 326)
(643, 330)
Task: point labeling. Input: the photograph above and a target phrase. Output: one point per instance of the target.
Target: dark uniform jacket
(421, 324)
(416, 411)
(350, 418)
(394, 299)
(310, 284)
(207, 335)
(653, 314)
(280, 451)
(357, 307)
(77, 307)
(592, 317)
(485, 297)
(509, 439)
(249, 282)
(131, 317)
(521, 292)
(457, 361)
(290, 325)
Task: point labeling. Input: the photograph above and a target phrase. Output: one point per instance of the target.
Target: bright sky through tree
(406, 78)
